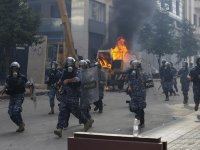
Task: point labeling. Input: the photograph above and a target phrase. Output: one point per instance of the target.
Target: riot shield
(89, 85)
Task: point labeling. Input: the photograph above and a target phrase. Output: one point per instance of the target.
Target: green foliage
(18, 24)
(159, 35)
(188, 43)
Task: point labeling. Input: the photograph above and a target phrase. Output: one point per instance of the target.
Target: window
(162, 4)
(97, 11)
(178, 7)
(52, 52)
(95, 43)
(54, 11)
(170, 5)
(199, 21)
(166, 5)
(36, 7)
(195, 20)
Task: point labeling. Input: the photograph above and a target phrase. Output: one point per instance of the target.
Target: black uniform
(54, 76)
(15, 87)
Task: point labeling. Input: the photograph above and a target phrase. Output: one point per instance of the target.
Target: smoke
(127, 17)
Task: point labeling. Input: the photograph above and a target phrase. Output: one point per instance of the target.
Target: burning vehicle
(116, 61)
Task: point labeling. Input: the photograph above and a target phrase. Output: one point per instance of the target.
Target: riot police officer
(102, 83)
(174, 72)
(194, 76)
(15, 88)
(137, 92)
(84, 102)
(185, 83)
(167, 80)
(70, 95)
(53, 77)
(88, 63)
(161, 71)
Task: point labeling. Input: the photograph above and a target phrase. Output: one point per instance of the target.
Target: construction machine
(68, 48)
(116, 75)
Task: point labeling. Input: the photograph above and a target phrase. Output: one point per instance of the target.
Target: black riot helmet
(54, 65)
(88, 63)
(136, 64)
(14, 69)
(97, 64)
(15, 64)
(83, 64)
(168, 65)
(163, 62)
(185, 64)
(70, 62)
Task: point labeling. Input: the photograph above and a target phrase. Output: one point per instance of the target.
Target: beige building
(192, 13)
(89, 23)
(89, 20)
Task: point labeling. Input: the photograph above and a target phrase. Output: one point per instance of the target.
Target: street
(116, 118)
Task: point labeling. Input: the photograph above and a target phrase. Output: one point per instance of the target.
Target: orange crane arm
(69, 49)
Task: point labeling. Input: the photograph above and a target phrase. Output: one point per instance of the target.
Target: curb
(175, 129)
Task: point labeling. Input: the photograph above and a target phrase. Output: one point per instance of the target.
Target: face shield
(53, 66)
(15, 71)
(70, 69)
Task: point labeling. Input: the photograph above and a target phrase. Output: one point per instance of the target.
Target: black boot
(96, 105)
(196, 107)
(58, 132)
(167, 96)
(100, 106)
(141, 125)
(185, 101)
(21, 127)
(51, 111)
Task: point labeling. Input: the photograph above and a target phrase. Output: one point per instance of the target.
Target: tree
(188, 43)
(159, 35)
(18, 26)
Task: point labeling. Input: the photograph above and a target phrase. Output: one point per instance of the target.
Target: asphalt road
(115, 119)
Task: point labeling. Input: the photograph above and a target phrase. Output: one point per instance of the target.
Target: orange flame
(105, 60)
(120, 51)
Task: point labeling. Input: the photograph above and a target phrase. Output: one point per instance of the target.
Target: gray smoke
(127, 17)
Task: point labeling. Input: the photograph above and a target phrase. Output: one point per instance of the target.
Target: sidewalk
(182, 134)
(39, 91)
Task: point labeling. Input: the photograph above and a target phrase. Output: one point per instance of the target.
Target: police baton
(32, 92)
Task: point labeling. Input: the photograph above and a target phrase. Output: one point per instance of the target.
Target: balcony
(51, 24)
(52, 28)
(197, 4)
(197, 30)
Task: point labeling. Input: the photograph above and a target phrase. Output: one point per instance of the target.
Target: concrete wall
(36, 62)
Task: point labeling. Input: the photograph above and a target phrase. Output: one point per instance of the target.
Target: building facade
(176, 12)
(89, 23)
(175, 9)
(192, 13)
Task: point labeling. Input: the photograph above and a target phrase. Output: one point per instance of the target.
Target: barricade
(98, 141)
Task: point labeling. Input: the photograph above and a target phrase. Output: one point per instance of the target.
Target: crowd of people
(66, 86)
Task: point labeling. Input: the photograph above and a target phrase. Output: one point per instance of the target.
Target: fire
(105, 64)
(120, 51)
(105, 60)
